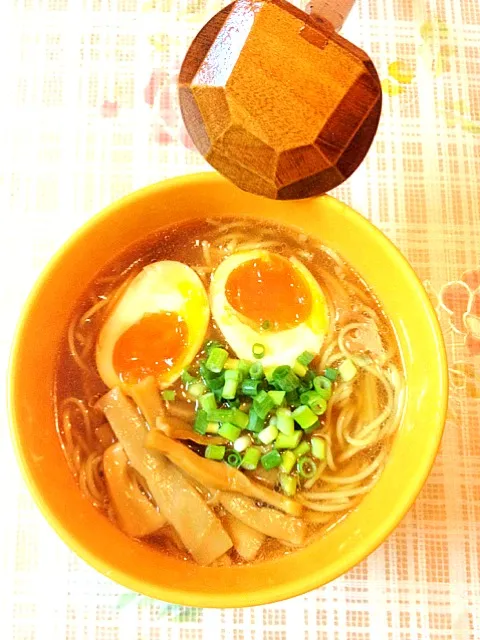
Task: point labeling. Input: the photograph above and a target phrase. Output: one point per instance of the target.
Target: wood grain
(278, 102)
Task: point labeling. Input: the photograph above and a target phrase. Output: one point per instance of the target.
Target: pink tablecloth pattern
(88, 113)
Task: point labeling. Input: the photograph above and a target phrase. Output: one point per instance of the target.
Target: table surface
(88, 113)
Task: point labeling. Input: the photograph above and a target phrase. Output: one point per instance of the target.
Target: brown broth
(184, 243)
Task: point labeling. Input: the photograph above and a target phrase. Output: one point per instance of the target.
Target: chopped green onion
(205, 373)
(217, 357)
(212, 344)
(288, 461)
(242, 443)
(304, 416)
(233, 458)
(299, 368)
(235, 416)
(285, 422)
(214, 384)
(331, 374)
(243, 368)
(251, 458)
(271, 460)
(326, 394)
(323, 386)
(303, 388)
(263, 404)
(250, 387)
(306, 467)
(307, 396)
(239, 419)
(319, 448)
(208, 375)
(277, 397)
(266, 324)
(187, 376)
(208, 402)
(268, 435)
(212, 427)
(168, 395)
(215, 452)
(255, 423)
(315, 401)
(233, 403)
(201, 422)
(285, 379)
(319, 406)
(302, 449)
(307, 381)
(230, 389)
(231, 363)
(347, 370)
(196, 389)
(256, 371)
(288, 442)
(268, 371)
(292, 398)
(273, 421)
(232, 374)
(221, 415)
(288, 484)
(229, 431)
(306, 358)
(258, 350)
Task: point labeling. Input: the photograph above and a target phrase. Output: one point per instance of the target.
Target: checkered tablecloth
(88, 112)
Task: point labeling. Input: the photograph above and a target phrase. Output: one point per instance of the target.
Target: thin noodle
(73, 349)
(332, 255)
(358, 477)
(80, 406)
(90, 481)
(322, 507)
(328, 453)
(325, 357)
(387, 411)
(343, 419)
(346, 494)
(95, 308)
(248, 246)
(309, 483)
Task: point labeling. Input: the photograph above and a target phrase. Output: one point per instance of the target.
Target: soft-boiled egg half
(156, 328)
(260, 297)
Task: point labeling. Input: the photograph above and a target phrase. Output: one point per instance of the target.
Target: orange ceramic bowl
(138, 566)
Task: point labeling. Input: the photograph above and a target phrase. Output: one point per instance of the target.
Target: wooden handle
(335, 11)
(278, 102)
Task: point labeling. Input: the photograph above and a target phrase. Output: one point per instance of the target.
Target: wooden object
(277, 101)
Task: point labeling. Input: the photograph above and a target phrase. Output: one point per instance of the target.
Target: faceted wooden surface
(278, 102)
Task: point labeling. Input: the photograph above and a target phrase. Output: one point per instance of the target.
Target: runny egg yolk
(270, 292)
(151, 346)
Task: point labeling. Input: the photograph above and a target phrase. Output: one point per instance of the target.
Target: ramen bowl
(139, 566)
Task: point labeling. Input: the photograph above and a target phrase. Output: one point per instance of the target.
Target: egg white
(167, 286)
(283, 346)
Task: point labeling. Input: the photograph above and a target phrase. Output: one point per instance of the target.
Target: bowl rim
(269, 593)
